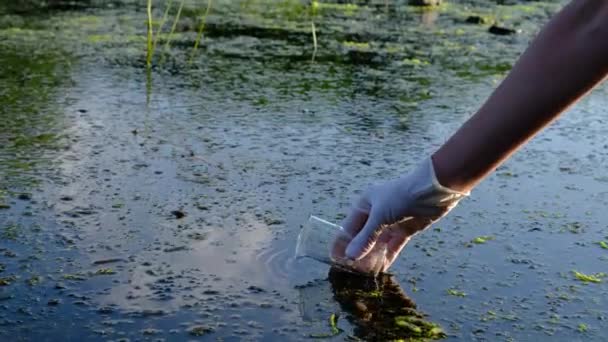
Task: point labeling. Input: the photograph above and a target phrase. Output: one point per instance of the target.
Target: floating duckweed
(11, 232)
(419, 327)
(482, 239)
(456, 293)
(7, 280)
(34, 280)
(589, 278)
(356, 45)
(78, 277)
(199, 330)
(102, 271)
(347, 9)
(414, 62)
(333, 325)
(409, 326)
(582, 327)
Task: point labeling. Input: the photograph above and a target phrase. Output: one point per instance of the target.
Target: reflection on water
(377, 308)
(30, 122)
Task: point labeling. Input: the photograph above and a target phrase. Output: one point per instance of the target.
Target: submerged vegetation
(379, 309)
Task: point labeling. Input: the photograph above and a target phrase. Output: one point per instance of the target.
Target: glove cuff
(428, 191)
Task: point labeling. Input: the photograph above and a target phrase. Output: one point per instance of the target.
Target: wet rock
(178, 214)
(501, 31)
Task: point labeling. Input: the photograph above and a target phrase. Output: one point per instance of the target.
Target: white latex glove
(394, 211)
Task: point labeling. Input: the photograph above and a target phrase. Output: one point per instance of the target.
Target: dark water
(99, 158)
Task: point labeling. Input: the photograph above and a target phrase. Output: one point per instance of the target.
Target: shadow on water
(31, 124)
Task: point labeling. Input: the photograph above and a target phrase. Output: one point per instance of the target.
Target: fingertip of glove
(353, 252)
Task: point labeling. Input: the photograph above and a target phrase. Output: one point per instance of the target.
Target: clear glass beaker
(326, 242)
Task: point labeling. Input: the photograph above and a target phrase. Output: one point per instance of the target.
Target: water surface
(98, 159)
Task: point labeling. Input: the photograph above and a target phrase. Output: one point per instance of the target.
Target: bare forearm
(566, 60)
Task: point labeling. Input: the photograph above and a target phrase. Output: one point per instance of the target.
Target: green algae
(482, 239)
(356, 45)
(105, 271)
(76, 277)
(589, 278)
(11, 231)
(334, 329)
(199, 330)
(456, 293)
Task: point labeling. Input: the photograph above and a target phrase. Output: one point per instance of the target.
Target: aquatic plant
(150, 50)
(201, 29)
(174, 26)
(589, 278)
(162, 23)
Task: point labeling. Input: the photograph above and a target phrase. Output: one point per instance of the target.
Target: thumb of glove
(365, 240)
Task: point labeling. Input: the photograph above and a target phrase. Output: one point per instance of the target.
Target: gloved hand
(394, 211)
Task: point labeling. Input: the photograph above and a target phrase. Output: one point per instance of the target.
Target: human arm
(567, 59)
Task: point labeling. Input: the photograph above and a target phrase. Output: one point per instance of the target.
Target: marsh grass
(150, 50)
(173, 27)
(201, 29)
(314, 40)
(162, 23)
(154, 38)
